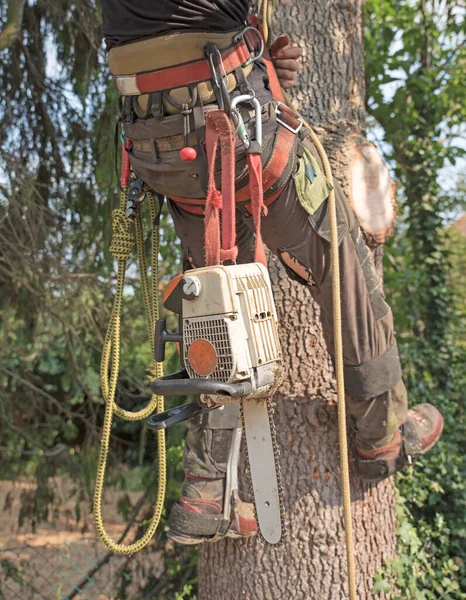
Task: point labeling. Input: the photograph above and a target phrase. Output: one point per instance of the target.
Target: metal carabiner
(240, 36)
(219, 77)
(239, 123)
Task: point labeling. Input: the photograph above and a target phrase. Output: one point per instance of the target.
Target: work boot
(419, 434)
(198, 516)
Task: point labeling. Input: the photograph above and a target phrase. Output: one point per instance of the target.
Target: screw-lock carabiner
(238, 119)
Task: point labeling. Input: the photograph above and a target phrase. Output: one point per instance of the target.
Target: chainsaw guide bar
(264, 469)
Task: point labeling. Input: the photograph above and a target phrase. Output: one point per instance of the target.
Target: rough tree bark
(310, 565)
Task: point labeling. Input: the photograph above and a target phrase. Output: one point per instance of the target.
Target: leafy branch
(12, 29)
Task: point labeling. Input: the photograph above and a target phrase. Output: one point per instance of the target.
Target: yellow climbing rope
(336, 296)
(338, 345)
(121, 248)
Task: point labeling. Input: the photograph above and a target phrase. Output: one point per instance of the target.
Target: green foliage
(58, 188)
(415, 64)
(417, 573)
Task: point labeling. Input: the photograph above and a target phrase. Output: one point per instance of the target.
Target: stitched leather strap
(197, 524)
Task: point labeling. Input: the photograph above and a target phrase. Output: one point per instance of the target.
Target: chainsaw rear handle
(180, 384)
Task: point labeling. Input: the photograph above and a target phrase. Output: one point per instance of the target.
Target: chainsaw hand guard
(175, 415)
(180, 384)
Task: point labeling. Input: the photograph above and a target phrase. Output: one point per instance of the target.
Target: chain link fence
(79, 570)
(61, 559)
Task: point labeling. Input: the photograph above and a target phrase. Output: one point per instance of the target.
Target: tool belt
(211, 70)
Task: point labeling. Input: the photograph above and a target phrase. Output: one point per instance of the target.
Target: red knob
(188, 154)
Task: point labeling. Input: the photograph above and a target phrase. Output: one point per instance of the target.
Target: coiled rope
(121, 247)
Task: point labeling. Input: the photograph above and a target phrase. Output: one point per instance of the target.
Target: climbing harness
(121, 248)
(186, 294)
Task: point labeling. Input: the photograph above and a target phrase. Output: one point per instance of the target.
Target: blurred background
(58, 187)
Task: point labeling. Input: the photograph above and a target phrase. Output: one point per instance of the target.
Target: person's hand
(286, 61)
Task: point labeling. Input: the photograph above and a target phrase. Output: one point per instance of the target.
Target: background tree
(57, 191)
(415, 57)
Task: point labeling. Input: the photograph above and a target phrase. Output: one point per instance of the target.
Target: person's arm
(286, 60)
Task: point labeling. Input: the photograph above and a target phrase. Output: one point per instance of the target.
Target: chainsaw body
(229, 339)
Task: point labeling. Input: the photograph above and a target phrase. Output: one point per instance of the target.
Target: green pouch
(311, 184)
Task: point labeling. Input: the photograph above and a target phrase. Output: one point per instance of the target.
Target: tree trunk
(311, 564)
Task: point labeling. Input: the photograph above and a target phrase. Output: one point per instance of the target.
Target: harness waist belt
(193, 72)
(178, 141)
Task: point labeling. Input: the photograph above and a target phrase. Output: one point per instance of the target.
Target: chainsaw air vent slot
(215, 331)
(257, 301)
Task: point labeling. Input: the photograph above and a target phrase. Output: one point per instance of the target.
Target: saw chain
(276, 457)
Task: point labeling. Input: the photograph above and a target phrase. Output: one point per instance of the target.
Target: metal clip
(219, 77)
(136, 195)
(252, 58)
(238, 119)
(279, 111)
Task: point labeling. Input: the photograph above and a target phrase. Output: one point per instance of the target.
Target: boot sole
(180, 538)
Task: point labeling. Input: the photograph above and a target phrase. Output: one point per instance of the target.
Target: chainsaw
(230, 352)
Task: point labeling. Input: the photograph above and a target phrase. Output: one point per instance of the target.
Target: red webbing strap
(275, 86)
(275, 165)
(218, 129)
(125, 163)
(199, 209)
(257, 203)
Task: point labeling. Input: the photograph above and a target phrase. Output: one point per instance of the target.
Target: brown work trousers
(300, 237)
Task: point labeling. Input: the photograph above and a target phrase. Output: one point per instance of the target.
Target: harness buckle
(283, 109)
(240, 37)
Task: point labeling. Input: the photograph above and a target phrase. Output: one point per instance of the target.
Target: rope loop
(123, 239)
(121, 247)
